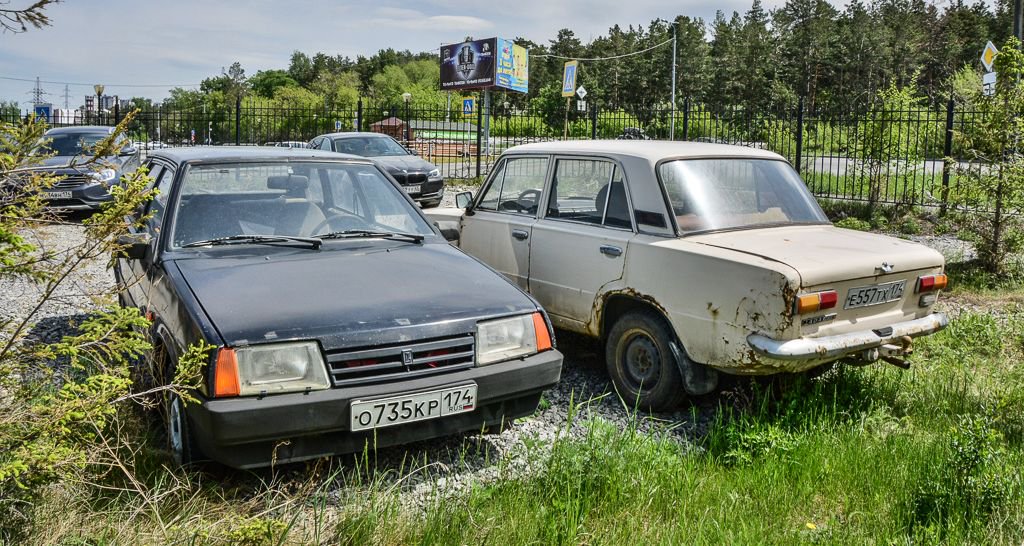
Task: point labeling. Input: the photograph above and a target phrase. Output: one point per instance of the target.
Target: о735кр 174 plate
(412, 407)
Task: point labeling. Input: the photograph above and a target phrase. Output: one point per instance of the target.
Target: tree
(995, 142)
(18, 20)
(265, 82)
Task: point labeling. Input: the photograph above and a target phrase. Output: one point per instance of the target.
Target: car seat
(617, 214)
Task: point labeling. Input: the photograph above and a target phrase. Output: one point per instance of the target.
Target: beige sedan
(692, 259)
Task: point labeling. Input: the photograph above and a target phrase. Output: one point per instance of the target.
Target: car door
(498, 228)
(580, 243)
(144, 274)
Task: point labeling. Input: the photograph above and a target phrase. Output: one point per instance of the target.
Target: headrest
(290, 183)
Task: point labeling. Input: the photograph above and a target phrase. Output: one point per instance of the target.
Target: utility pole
(67, 97)
(1018, 22)
(37, 93)
(672, 131)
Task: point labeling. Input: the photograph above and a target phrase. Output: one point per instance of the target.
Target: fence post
(947, 152)
(799, 133)
(117, 110)
(593, 122)
(238, 120)
(359, 114)
(479, 122)
(686, 118)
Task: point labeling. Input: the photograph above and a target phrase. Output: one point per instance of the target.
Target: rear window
(730, 193)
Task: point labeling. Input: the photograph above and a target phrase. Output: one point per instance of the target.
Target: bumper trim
(833, 347)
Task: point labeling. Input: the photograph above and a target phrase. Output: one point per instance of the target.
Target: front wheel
(180, 441)
(641, 364)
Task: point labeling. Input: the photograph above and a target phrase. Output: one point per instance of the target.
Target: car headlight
(436, 173)
(509, 338)
(270, 369)
(104, 175)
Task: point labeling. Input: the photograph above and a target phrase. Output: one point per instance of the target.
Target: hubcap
(174, 432)
(643, 361)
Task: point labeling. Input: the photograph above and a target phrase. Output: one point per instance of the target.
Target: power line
(653, 47)
(164, 85)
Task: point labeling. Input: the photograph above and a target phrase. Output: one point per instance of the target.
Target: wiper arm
(256, 239)
(366, 233)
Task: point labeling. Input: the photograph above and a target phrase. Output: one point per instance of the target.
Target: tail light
(225, 375)
(930, 283)
(818, 301)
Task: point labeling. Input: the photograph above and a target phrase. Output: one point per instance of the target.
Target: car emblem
(407, 357)
(886, 267)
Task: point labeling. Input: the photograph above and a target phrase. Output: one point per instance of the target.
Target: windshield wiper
(366, 233)
(256, 239)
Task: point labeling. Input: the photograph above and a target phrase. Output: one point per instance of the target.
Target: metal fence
(875, 156)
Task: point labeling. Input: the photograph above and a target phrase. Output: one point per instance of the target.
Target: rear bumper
(251, 432)
(817, 350)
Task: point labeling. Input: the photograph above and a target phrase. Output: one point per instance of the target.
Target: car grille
(410, 178)
(402, 361)
(73, 181)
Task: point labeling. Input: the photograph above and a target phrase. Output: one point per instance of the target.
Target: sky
(124, 44)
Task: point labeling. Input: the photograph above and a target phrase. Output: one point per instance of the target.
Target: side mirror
(463, 199)
(129, 150)
(135, 245)
(411, 150)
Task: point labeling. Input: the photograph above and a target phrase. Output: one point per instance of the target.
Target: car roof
(350, 134)
(246, 153)
(80, 129)
(650, 150)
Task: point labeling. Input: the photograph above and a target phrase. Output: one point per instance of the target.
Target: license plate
(874, 295)
(409, 408)
(412, 189)
(58, 194)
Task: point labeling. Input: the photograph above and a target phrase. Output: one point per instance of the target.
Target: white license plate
(58, 194)
(411, 189)
(409, 408)
(874, 295)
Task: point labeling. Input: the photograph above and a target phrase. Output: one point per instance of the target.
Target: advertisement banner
(513, 70)
(469, 65)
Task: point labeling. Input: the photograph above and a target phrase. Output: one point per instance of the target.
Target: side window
(159, 203)
(325, 144)
(517, 186)
(589, 190)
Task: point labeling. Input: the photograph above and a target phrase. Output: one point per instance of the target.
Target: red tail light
(929, 283)
(817, 301)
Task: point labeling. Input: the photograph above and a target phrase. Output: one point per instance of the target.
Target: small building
(425, 129)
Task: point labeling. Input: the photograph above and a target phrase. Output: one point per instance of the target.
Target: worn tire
(640, 362)
(180, 441)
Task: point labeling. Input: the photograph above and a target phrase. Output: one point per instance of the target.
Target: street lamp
(406, 97)
(98, 88)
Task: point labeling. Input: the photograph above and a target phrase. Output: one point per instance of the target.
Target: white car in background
(692, 259)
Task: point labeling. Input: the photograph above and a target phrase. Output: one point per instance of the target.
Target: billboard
(513, 69)
(469, 65)
(483, 64)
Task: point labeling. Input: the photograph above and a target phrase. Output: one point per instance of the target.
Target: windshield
(71, 143)
(369, 146)
(304, 199)
(730, 193)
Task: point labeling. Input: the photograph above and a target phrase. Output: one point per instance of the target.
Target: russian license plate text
(409, 408)
(874, 295)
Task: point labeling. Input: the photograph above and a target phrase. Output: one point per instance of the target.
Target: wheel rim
(642, 361)
(175, 434)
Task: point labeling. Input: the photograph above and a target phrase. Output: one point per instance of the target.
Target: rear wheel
(640, 362)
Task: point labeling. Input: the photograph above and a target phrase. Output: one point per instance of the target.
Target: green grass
(860, 455)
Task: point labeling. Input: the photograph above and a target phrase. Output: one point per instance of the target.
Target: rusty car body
(690, 259)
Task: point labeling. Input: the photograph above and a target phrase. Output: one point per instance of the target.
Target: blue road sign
(569, 78)
(468, 106)
(43, 111)
(337, 125)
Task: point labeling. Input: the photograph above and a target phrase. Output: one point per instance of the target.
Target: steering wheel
(348, 223)
(525, 202)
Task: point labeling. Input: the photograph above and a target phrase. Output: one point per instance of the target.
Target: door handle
(612, 251)
(520, 234)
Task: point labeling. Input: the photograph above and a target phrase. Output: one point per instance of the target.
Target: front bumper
(803, 353)
(89, 197)
(431, 190)
(252, 432)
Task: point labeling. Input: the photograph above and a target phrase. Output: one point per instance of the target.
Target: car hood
(824, 254)
(349, 294)
(409, 163)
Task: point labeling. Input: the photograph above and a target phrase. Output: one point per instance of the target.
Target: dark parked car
(418, 177)
(82, 187)
(342, 319)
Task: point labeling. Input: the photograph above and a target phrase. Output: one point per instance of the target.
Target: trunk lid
(853, 263)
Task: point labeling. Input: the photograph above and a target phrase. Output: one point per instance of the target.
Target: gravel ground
(448, 464)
